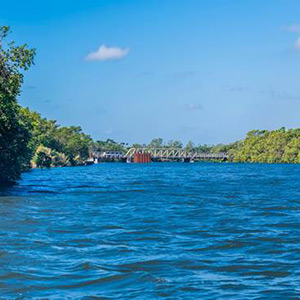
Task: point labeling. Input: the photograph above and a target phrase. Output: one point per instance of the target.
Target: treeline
(263, 146)
(52, 145)
(56, 146)
(108, 145)
(190, 146)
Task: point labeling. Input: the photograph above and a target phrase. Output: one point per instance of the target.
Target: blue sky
(207, 71)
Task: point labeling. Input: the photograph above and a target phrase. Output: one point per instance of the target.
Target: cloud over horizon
(107, 53)
(294, 28)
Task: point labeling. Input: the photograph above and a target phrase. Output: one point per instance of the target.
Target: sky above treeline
(133, 70)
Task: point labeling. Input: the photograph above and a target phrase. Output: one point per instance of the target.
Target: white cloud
(297, 43)
(292, 28)
(107, 53)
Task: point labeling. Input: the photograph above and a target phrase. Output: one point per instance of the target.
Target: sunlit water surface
(152, 231)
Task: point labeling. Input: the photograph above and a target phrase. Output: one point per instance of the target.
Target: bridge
(145, 155)
(174, 154)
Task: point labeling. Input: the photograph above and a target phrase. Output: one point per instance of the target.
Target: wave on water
(170, 231)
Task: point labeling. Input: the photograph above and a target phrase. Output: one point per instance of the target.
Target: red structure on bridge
(141, 157)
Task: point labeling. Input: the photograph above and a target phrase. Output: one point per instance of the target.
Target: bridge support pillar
(142, 157)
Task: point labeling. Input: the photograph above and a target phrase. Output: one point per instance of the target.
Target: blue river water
(152, 231)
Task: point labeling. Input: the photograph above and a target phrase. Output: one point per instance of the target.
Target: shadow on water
(5, 189)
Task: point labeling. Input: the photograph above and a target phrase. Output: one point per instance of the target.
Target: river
(152, 231)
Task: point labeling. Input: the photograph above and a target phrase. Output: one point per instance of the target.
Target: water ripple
(171, 231)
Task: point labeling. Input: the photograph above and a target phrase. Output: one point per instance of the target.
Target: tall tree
(14, 127)
(189, 146)
(156, 143)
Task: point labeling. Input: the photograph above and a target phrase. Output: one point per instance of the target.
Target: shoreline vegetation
(27, 140)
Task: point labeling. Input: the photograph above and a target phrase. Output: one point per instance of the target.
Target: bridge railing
(107, 154)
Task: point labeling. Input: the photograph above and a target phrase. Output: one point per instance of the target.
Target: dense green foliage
(14, 128)
(52, 145)
(108, 145)
(263, 146)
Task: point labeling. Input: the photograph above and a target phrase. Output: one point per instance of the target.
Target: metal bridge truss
(175, 153)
